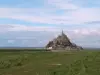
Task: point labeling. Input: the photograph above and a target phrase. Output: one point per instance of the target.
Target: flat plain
(24, 62)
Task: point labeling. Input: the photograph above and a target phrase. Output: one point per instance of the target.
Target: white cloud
(76, 31)
(86, 32)
(11, 41)
(86, 15)
(15, 27)
(63, 4)
(78, 16)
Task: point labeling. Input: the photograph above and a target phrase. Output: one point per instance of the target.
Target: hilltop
(62, 42)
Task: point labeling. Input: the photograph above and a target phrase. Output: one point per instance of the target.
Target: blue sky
(30, 23)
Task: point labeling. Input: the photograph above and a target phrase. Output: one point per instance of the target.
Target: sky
(33, 23)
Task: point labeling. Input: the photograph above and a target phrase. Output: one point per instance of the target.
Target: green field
(49, 63)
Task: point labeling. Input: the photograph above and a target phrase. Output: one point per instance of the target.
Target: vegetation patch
(50, 63)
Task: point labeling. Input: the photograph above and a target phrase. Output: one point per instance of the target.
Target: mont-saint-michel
(62, 42)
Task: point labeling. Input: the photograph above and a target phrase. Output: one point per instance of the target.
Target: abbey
(62, 42)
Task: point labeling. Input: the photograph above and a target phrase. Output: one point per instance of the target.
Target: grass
(49, 63)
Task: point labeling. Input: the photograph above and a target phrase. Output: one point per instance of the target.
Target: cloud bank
(34, 23)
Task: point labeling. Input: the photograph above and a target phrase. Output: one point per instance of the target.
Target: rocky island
(62, 42)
